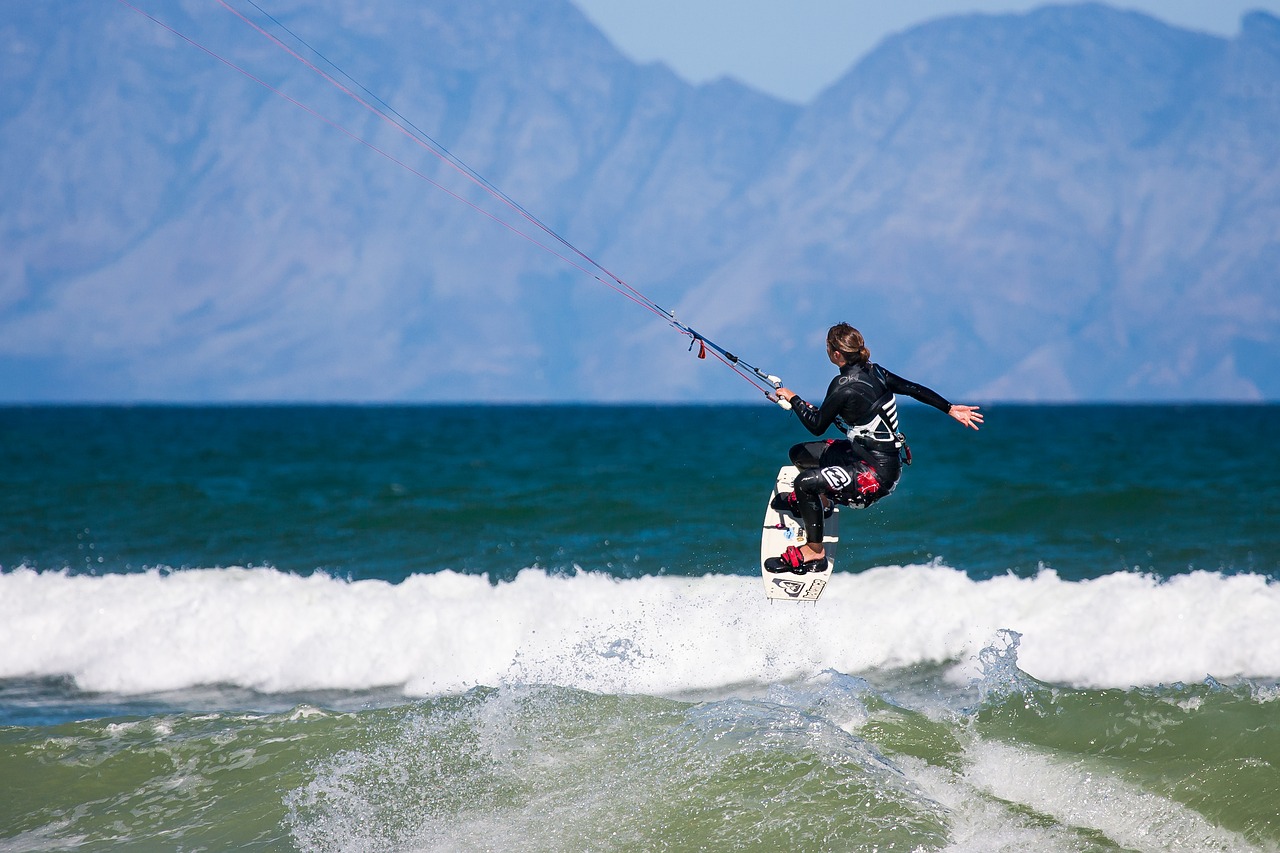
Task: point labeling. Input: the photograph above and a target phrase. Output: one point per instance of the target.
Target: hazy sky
(793, 49)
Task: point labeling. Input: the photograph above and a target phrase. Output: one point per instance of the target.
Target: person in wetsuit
(858, 470)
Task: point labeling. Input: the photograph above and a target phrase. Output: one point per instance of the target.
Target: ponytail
(848, 341)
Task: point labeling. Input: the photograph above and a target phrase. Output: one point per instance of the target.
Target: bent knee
(810, 481)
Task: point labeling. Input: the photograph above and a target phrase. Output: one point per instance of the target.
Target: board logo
(816, 589)
(791, 588)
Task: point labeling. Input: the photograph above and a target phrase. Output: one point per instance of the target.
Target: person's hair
(848, 341)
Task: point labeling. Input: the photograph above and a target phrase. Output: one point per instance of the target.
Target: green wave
(833, 764)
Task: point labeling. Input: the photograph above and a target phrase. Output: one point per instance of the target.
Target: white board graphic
(782, 530)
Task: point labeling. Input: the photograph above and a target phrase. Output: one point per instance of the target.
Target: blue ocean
(543, 628)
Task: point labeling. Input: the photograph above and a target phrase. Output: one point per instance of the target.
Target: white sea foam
(446, 632)
(1000, 799)
(1077, 795)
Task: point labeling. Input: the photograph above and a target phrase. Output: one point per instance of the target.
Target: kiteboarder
(857, 470)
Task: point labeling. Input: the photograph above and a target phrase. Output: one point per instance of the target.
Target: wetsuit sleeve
(915, 391)
(816, 419)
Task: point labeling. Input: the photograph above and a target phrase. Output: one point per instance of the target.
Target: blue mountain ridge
(1075, 203)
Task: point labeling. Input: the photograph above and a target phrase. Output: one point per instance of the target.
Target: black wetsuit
(854, 472)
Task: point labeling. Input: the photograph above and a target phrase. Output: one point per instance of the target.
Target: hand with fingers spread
(967, 415)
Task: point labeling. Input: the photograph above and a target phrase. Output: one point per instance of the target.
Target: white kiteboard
(782, 530)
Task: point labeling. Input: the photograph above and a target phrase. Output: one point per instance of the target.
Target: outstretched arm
(967, 415)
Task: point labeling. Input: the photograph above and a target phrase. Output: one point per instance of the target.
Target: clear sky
(793, 48)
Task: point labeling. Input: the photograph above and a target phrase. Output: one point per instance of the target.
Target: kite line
(557, 245)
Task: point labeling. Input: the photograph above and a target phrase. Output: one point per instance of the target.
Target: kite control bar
(760, 377)
(777, 383)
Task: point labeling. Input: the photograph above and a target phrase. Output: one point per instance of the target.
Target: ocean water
(543, 628)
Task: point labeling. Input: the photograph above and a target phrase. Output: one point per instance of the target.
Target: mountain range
(1075, 203)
